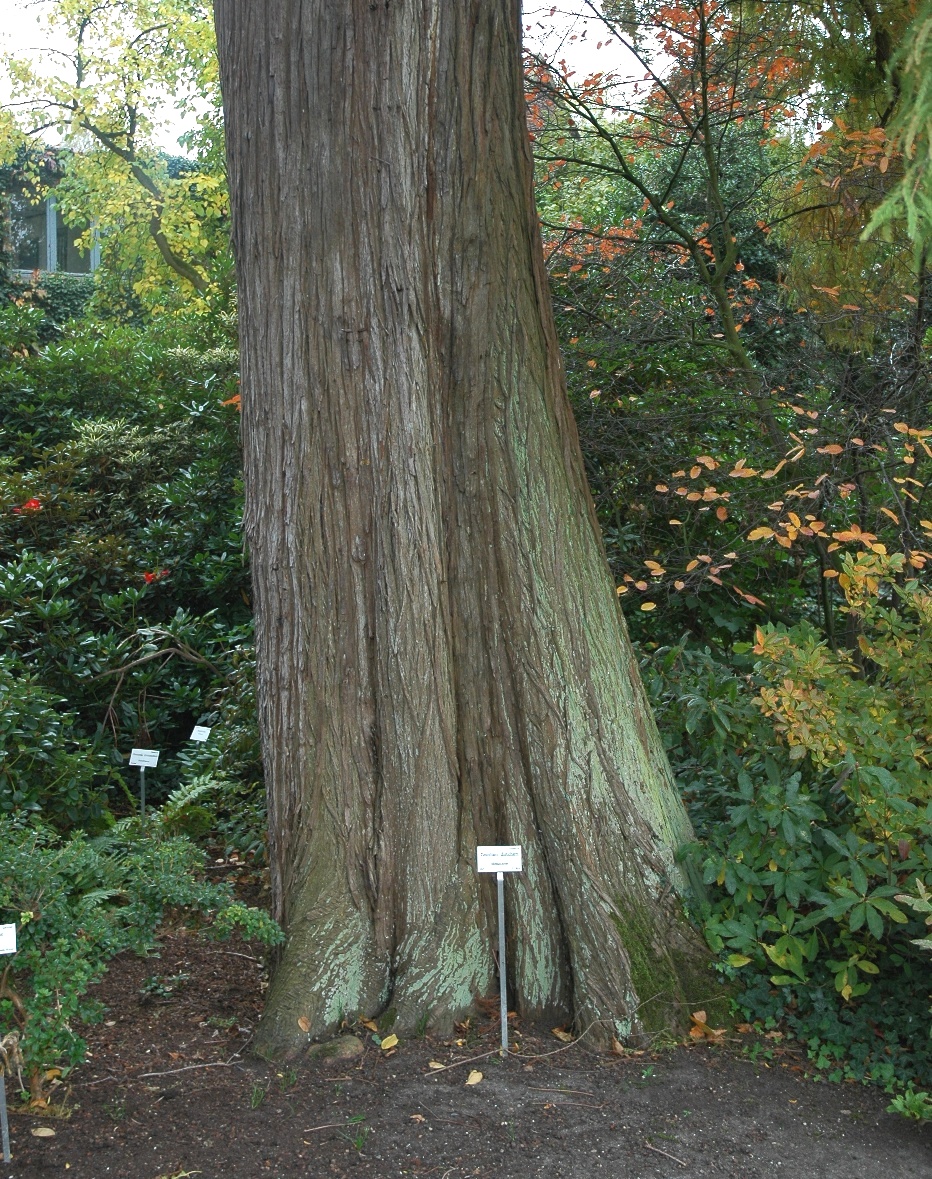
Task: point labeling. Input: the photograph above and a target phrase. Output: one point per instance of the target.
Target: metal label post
(7, 946)
(143, 758)
(502, 968)
(4, 1122)
(500, 859)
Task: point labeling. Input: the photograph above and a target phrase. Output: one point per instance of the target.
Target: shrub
(809, 783)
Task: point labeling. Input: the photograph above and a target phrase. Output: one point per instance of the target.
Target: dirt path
(142, 1112)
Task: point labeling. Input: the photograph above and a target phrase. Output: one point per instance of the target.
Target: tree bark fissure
(442, 660)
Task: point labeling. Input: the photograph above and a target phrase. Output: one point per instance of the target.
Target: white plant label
(146, 758)
(200, 733)
(498, 859)
(7, 939)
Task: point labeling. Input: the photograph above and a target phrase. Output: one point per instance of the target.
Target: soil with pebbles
(169, 1090)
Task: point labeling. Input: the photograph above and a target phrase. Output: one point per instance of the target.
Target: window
(40, 240)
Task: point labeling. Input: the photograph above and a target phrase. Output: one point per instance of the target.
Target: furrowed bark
(442, 660)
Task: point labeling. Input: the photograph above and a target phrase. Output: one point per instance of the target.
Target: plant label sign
(498, 859)
(200, 733)
(7, 939)
(144, 758)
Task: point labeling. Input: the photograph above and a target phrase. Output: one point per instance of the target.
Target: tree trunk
(442, 657)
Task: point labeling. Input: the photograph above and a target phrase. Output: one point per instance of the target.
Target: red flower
(150, 577)
(31, 505)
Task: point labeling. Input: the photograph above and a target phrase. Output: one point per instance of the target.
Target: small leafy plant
(77, 902)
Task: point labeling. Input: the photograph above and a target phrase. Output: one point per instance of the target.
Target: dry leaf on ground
(474, 1077)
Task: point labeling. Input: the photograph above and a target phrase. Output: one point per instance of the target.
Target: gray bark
(442, 659)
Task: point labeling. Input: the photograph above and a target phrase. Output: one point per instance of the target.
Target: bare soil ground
(170, 1091)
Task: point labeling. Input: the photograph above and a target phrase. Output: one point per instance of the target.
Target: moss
(669, 982)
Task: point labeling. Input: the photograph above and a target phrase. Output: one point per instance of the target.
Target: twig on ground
(330, 1126)
(187, 1067)
(572, 1092)
(666, 1155)
(561, 1104)
(456, 1063)
(565, 1047)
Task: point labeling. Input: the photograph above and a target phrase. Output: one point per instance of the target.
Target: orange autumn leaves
(813, 536)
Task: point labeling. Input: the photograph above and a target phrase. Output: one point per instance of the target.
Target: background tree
(104, 96)
(441, 657)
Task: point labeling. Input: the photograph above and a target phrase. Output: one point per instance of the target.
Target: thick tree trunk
(442, 658)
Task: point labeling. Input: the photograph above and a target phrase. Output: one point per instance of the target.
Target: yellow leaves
(741, 470)
(474, 1077)
(648, 606)
(832, 448)
(562, 1035)
(695, 472)
(721, 513)
(691, 566)
(761, 533)
(662, 487)
(656, 569)
(389, 1042)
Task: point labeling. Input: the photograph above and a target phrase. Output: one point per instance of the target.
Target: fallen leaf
(562, 1034)
(435, 1064)
(43, 1132)
(701, 1030)
(418, 1118)
(370, 1024)
(389, 1042)
(304, 1023)
(617, 1047)
(474, 1077)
